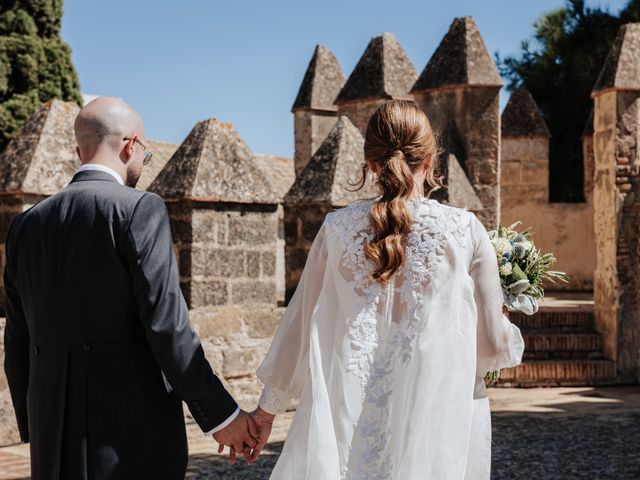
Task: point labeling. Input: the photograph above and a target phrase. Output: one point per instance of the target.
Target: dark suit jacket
(94, 314)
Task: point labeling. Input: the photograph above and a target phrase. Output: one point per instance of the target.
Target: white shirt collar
(101, 168)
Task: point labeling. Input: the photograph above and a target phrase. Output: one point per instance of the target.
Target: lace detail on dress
(350, 225)
(429, 236)
(369, 458)
(274, 401)
(435, 225)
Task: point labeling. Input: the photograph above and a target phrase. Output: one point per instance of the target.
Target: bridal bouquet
(522, 268)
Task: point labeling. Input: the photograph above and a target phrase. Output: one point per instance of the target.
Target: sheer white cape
(390, 378)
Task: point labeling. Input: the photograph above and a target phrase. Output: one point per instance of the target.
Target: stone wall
(359, 111)
(300, 231)
(474, 115)
(628, 255)
(311, 127)
(617, 221)
(606, 213)
(235, 340)
(226, 253)
(561, 228)
(588, 159)
(525, 170)
(616, 197)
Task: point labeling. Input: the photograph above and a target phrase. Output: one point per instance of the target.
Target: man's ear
(127, 150)
(78, 153)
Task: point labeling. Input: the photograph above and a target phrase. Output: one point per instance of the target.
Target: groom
(99, 350)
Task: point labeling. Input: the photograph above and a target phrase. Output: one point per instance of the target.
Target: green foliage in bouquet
(35, 64)
(527, 262)
(492, 377)
(523, 270)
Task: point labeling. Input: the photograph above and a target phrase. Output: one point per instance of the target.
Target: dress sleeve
(500, 344)
(285, 369)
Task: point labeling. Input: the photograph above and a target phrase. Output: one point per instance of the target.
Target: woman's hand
(241, 435)
(264, 421)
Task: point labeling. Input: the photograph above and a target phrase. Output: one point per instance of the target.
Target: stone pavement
(539, 433)
(566, 433)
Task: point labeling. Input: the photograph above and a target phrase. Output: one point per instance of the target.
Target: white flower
(502, 246)
(506, 269)
(521, 286)
(523, 303)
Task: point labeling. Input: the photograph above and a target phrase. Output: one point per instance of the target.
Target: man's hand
(264, 421)
(241, 435)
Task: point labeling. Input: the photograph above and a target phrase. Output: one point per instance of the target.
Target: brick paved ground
(542, 434)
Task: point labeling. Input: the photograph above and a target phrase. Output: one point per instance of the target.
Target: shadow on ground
(596, 435)
(203, 467)
(584, 435)
(541, 434)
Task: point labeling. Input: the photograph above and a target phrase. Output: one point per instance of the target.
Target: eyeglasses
(147, 153)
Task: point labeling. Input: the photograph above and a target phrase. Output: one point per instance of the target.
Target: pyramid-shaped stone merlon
(460, 191)
(42, 158)
(522, 117)
(621, 69)
(383, 71)
(322, 82)
(329, 176)
(460, 59)
(213, 164)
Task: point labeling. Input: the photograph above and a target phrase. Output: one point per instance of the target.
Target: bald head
(101, 128)
(102, 124)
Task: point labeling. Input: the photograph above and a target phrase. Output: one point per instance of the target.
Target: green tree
(560, 68)
(35, 64)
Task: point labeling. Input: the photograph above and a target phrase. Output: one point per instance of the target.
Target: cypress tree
(35, 64)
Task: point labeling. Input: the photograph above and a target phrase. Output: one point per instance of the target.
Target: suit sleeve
(500, 344)
(165, 317)
(16, 345)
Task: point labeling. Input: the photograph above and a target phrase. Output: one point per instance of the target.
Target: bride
(396, 320)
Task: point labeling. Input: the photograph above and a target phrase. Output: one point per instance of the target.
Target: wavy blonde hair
(399, 138)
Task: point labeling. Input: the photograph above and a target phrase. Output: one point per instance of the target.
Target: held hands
(264, 421)
(247, 434)
(241, 435)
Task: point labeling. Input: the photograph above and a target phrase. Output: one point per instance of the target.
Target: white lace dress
(390, 377)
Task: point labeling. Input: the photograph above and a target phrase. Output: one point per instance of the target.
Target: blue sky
(242, 61)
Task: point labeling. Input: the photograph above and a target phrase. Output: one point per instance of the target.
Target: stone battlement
(243, 223)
